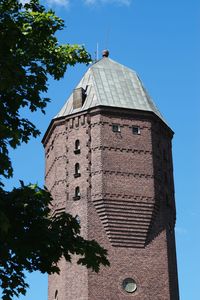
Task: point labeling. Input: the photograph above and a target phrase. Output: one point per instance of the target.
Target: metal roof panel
(109, 83)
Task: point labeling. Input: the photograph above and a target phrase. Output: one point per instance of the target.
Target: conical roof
(109, 83)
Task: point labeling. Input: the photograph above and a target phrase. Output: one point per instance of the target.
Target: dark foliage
(30, 239)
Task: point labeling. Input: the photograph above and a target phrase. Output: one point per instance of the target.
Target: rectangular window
(135, 129)
(116, 128)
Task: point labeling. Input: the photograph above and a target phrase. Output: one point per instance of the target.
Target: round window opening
(129, 285)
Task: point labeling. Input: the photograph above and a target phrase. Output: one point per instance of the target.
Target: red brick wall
(124, 182)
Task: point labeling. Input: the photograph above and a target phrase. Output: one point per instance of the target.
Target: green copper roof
(109, 83)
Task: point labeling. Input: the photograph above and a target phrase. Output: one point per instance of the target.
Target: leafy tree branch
(30, 238)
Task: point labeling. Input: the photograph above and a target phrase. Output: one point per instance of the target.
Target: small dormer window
(116, 128)
(77, 149)
(77, 194)
(77, 170)
(135, 129)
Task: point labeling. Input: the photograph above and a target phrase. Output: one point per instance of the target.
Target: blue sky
(160, 40)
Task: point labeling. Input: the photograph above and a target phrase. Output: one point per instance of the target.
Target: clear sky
(160, 40)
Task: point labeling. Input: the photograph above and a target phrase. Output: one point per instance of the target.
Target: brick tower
(109, 162)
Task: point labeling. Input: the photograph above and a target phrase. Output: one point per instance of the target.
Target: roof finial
(105, 53)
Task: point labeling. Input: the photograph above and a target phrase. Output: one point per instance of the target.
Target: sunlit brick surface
(127, 202)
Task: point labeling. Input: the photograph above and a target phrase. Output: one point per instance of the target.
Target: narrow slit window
(135, 129)
(77, 194)
(77, 149)
(116, 128)
(77, 170)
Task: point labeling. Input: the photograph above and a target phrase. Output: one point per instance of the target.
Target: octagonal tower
(109, 162)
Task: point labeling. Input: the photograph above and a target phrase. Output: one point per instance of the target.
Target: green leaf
(30, 239)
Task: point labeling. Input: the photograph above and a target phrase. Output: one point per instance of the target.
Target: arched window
(77, 149)
(77, 194)
(56, 294)
(77, 170)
